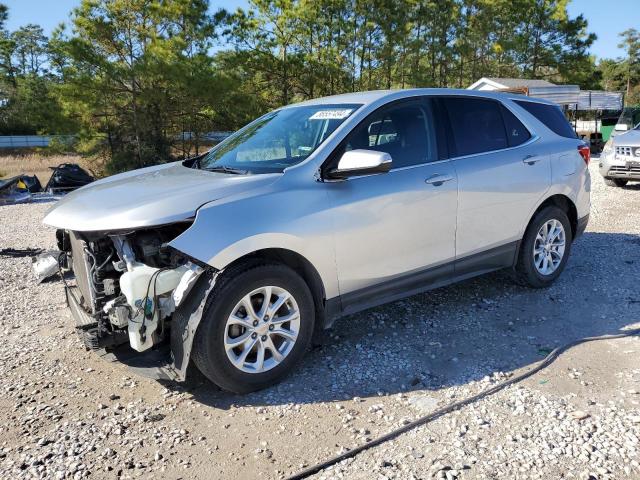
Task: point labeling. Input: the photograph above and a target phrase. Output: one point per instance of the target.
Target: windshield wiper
(224, 169)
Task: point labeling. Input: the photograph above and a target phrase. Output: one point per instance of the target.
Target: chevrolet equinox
(233, 259)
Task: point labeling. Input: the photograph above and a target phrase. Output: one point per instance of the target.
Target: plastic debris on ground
(45, 265)
(67, 177)
(18, 189)
(20, 252)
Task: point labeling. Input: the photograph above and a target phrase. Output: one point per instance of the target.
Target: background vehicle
(620, 159)
(318, 210)
(629, 118)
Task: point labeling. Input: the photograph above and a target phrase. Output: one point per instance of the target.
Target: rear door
(501, 177)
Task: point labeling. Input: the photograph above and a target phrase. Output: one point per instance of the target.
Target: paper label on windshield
(333, 114)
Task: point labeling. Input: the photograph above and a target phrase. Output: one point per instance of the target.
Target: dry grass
(36, 164)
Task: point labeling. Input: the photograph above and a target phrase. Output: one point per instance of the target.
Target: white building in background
(493, 83)
(573, 101)
(568, 96)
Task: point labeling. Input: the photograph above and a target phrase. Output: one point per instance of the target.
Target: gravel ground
(66, 413)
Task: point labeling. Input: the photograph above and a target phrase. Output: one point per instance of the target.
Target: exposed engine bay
(128, 284)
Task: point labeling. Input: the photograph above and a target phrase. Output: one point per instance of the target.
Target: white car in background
(620, 159)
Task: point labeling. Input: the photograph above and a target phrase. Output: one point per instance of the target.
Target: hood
(627, 139)
(150, 196)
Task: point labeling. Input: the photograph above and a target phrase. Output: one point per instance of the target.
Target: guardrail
(29, 141)
(216, 136)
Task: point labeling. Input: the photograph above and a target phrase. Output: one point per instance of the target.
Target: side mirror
(621, 127)
(361, 162)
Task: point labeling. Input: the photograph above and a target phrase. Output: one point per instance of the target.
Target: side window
(517, 133)
(476, 125)
(383, 131)
(405, 131)
(551, 116)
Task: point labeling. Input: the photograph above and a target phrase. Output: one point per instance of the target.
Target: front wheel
(615, 182)
(545, 248)
(256, 325)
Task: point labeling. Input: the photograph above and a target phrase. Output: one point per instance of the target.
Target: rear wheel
(615, 182)
(256, 325)
(545, 248)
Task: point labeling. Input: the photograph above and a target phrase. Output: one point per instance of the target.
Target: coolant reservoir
(142, 282)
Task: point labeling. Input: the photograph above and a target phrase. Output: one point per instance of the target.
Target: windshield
(630, 116)
(277, 140)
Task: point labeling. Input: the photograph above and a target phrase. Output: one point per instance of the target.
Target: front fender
(294, 219)
(252, 244)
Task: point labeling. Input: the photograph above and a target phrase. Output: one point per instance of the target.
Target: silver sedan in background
(232, 260)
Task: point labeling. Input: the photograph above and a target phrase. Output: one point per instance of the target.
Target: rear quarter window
(551, 116)
(517, 133)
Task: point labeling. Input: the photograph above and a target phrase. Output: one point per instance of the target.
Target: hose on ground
(545, 362)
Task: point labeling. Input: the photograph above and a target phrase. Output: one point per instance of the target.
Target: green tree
(139, 73)
(29, 104)
(631, 64)
(30, 49)
(140, 81)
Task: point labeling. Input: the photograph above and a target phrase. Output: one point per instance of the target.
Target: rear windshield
(551, 116)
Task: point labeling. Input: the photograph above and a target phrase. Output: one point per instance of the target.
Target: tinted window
(405, 131)
(517, 133)
(551, 116)
(476, 125)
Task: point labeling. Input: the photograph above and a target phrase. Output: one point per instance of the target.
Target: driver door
(395, 232)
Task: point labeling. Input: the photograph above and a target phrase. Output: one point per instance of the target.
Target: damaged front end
(128, 288)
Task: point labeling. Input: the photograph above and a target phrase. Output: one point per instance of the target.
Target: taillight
(585, 153)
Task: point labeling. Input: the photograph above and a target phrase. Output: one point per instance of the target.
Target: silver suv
(620, 159)
(315, 211)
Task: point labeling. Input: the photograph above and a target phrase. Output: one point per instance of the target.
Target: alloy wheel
(262, 329)
(549, 246)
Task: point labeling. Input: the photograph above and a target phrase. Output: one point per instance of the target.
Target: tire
(615, 182)
(527, 273)
(232, 286)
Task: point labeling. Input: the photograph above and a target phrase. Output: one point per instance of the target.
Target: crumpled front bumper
(166, 362)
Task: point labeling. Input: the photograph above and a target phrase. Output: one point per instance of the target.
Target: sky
(606, 18)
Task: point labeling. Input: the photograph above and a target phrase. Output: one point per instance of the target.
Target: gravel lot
(66, 413)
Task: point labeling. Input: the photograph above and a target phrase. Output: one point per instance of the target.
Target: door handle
(437, 179)
(531, 159)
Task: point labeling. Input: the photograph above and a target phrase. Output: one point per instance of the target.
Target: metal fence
(600, 100)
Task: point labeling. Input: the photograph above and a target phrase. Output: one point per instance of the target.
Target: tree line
(129, 77)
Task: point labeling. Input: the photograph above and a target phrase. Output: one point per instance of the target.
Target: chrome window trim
(393, 170)
(534, 137)
(399, 169)
(532, 140)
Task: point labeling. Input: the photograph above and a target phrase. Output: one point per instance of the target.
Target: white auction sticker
(331, 114)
